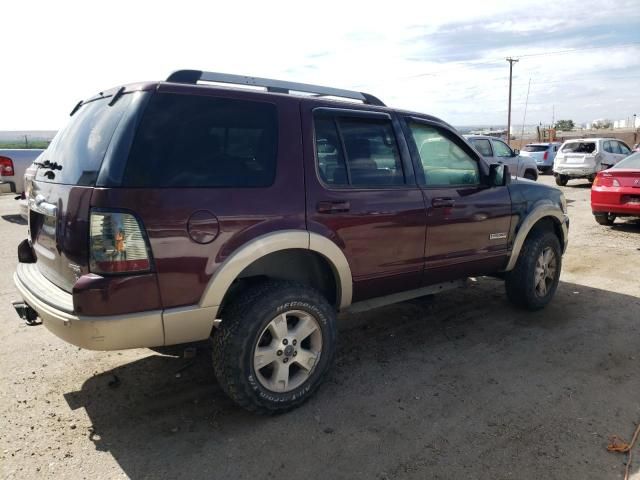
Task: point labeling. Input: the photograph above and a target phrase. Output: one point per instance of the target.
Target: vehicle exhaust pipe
(25, 312)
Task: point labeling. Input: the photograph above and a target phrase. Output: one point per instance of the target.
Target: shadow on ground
(460, 385)
(14, 219)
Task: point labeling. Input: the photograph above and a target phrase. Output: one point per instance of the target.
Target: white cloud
(62, 52)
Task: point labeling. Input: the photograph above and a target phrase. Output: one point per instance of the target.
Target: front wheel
(274, 346)
(561, 180)
(534, 280)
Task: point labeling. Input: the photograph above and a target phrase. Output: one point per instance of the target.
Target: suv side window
(607, 147)
(360, 152)
(624, 149)
(200, 141)
(483, 146)
(502, 149)
(444, 162)
(331, 164)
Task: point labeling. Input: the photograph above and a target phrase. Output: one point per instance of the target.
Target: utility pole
(511, 62)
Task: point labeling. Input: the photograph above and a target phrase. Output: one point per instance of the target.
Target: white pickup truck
(13, 165)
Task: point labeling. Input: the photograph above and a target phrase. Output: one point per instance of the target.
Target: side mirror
(499, 175)
(516, 152)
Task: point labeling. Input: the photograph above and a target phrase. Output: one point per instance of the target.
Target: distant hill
(32, 135)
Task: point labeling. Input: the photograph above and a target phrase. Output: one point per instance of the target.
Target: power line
(559, 52)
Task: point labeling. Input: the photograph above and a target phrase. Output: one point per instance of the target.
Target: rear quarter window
(200, 141)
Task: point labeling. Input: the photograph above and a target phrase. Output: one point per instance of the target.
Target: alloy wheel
(287, 351)
(545, 272)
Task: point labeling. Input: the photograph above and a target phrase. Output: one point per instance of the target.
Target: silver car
(585, 157)
(542, 153)
(497, 151)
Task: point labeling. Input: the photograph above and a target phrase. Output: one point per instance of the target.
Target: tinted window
(331, 164)
(80, 147)
(363, 154)
(623, 148)
(579, 147)
(502, 149)
(632, 162)
(444, 162)
(483, 146)
(198, 141)
(535, 148)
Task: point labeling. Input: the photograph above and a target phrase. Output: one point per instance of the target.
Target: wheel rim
(287, 351)
(545, 273)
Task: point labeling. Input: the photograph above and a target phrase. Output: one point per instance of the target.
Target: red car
(616, 191)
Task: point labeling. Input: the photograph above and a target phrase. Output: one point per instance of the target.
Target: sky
(442, 58)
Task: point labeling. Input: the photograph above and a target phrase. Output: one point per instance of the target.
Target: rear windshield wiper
(48, 165)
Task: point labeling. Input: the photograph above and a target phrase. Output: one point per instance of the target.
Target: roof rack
(276, 86)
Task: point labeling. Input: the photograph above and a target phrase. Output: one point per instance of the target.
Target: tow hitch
(25, 312)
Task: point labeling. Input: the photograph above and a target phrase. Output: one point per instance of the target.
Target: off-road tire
(562, 180)
(234, 341)
(604, 218)
(520, 282)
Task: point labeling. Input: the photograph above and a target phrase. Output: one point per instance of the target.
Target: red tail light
(605, 180)
(117, 244)
(545, 156)
(6, 167)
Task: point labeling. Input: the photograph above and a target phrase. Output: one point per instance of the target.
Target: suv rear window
(535, 148)
(579, 147)
(79, 148)
(200, 141)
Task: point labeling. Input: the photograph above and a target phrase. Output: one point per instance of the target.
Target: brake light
(545, 156)
(605, 180)
(6, 167)
(117, 244)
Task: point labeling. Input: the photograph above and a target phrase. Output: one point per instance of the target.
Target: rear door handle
(333, 206)
(442, 202)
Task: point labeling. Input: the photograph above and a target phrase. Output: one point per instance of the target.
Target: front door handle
(333, 207)
(442, 202)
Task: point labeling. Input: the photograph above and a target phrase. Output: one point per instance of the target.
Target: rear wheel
(561, 180)
(604, 218)
(534, 280)
(274, 346)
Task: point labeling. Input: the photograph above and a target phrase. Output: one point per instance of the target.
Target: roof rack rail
(276, 86)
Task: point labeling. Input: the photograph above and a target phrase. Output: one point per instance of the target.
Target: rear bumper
(615, 200)
(574, 172)
(55, 307)
(12, 185)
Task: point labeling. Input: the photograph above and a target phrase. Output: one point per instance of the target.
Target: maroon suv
(172, 212)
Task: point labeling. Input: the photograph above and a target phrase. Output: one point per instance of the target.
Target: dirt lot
(461, 385)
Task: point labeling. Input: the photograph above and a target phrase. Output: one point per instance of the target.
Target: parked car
(542, 153)
(13, 164)
(495, 150)
(616, 191)
(192, 211)
(584, 158)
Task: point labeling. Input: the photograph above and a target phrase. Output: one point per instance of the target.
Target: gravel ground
(460, 385)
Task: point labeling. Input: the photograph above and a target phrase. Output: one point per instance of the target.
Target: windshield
(80, 147)
(631, 162)
(579, 147)
(535, 148)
